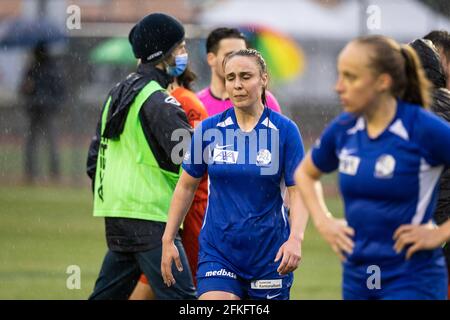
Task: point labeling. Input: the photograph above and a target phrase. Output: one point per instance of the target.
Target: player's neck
(380, 115)
(217, 87)
(248, 117)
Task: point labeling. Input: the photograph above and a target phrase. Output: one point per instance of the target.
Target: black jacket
(160, 115)
(441, 106)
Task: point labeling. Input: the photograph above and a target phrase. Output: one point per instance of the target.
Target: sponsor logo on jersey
(221, 155)
(267, 284)
(221, 272)
(385, 166)
(348, 164)
(263, 158)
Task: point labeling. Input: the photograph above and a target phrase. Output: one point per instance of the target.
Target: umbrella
(284, 57)
(28, 33)
(113, 51)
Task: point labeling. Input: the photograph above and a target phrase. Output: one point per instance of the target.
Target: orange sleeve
(191, 104)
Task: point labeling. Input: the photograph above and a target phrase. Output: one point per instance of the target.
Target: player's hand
(291, 252)
(418, 237)
(169, 254)
(338, 234)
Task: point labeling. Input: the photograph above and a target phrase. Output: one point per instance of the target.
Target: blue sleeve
(293, 153)
(194, 163)
(323, 152)
(433, 137)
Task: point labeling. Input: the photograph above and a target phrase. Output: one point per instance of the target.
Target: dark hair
(441, 39)
(401, 62)
(186, 78)
(259, 59)
(431, 62)
(212, 42)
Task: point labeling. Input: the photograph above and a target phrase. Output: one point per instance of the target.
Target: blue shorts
(425, 283)
(214, 276)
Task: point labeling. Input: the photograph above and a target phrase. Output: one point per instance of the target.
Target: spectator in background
(219, 43)
(441, 40)
(44, 90)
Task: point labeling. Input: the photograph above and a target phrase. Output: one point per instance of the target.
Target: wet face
(225, 47)
(358, 86)
(244, 82)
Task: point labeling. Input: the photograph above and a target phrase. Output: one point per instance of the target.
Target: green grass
(42, 232)
(45, 230)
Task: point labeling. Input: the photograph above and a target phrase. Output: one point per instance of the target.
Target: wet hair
(409, 82)
(258, 58)
(186, 78)
(441, 39)
(213, 39)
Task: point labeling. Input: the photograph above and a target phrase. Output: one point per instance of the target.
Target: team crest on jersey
(263, 158)
(385, 166)
(348, 163)
(221, 155)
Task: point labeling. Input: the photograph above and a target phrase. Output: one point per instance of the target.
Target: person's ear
(384, 82)
(265, 80)
(211, 58)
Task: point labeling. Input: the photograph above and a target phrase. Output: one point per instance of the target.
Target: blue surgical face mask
(181, 62)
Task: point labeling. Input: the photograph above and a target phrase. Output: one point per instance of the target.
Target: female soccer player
(389, 151)
(248, 246)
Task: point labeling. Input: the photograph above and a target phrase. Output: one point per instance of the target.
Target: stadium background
(47, 227)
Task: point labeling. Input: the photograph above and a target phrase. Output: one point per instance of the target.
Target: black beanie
(155, 36)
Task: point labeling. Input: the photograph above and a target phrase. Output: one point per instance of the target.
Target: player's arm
(181, 202)
(420, 237)
(335, 231)
(291, 250)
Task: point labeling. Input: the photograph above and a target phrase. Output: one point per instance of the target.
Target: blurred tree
(441, 6)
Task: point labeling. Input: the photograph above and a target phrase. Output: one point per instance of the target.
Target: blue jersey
(386, 181)
(245, 222)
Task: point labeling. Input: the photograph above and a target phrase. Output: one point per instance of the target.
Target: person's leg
(142, 291)
(150, 264)
(50, 134)
(31, 145)
(218, 295)
(117, 278)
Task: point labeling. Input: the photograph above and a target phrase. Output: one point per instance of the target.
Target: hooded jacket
(160, 115)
